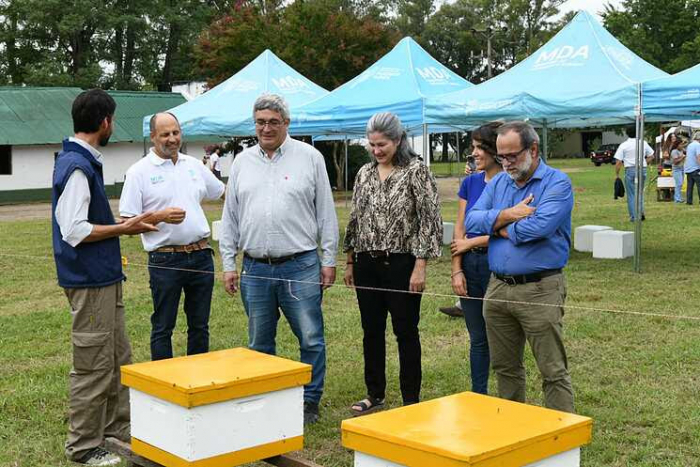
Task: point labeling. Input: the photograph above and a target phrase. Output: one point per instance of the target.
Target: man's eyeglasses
(273, 123)
(511, 158)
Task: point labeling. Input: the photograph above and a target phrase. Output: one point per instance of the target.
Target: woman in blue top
(470, 264)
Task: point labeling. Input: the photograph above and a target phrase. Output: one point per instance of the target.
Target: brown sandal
(367, 406)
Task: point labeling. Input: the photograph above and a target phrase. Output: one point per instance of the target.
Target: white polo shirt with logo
(154, 183)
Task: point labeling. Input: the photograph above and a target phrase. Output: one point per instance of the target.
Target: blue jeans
(631, 189)
(301, 304)
(476, 271)
(678, 177)
(166, 287)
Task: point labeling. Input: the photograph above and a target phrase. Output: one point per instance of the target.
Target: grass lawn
(638, 377)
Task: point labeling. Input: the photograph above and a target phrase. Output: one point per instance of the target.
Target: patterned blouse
(399, 215)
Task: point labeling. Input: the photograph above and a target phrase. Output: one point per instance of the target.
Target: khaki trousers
(508, 325)
(99, 404)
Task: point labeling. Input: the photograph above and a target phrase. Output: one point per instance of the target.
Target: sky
(593, 6)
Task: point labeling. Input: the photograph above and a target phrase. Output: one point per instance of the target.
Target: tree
(518, 27)
(665, 34)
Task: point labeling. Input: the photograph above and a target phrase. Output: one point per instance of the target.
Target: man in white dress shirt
(88, 263)
(173, 186)
(625, 156)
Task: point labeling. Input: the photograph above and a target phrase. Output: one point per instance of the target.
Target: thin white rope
(427, 294)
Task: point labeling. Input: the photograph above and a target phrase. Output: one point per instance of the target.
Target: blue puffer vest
(94, 264)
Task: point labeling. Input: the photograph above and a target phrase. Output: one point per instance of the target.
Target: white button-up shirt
(154, 183)
(73, 204)
(626, 152)
(278, 206)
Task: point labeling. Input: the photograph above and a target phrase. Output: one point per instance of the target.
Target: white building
(34, 122)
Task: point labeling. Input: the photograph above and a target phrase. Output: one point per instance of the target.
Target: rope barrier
(427, 294)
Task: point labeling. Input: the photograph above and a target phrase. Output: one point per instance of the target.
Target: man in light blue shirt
(527, 212)
(692, 167)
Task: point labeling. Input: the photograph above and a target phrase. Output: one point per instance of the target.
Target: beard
(521, 171)
(104, 140)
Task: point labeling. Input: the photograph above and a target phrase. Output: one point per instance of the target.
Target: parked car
(604, 154)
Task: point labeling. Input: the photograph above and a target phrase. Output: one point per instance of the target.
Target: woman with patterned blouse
(470, 260)
(394, 227)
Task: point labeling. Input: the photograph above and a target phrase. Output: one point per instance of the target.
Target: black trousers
(391, 272)
(693, 179)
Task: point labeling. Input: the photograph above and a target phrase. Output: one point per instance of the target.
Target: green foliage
(327, 41)
(665, 34)
(516, 28)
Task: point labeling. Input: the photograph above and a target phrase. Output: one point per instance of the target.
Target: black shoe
(644, 217)
(311, 415)
(454, 311)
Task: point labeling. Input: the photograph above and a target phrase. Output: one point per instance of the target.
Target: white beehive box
(613, 244)
(223, 408)
(468, 430)
(583, 236)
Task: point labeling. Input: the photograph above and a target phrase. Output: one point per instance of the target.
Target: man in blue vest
(88, 262)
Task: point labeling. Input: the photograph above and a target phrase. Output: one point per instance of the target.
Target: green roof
(43, 115)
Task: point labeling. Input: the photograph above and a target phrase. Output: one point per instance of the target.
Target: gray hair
(696, 135)
(528, 135)
(272, 102)
(154, 117)
(389, 125)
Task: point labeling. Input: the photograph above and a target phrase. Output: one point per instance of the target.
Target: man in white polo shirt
(173, 185)
(625, 156)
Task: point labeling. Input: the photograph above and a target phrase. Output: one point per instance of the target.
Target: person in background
(692, 167)
(89, 267)
(677, 158)
(527, 213)
(470, 263)
(393, 229)
(669, 142)
(215, 162)
(625, 156)
(173, 185)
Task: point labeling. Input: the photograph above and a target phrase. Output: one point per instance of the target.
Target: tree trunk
(119, 56)
(129, 54)
(339, 164)
(166, 81)
(445, 147)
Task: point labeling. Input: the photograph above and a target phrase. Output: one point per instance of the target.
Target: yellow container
(222, 408)
(467, 430)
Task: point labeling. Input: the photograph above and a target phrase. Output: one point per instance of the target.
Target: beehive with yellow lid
(221, 408)
(467, 430)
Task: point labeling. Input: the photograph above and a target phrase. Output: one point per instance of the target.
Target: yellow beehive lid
(215, 376)
(465, 430)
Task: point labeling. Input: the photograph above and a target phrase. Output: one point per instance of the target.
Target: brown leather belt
(203, 244)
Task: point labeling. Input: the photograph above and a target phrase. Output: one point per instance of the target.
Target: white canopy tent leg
(545, 140)
(639, 167)
(426, 145)
(346, 171)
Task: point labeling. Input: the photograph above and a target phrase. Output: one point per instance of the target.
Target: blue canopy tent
(582, 77)
(399, 82)
(676, 97)
(227, 109)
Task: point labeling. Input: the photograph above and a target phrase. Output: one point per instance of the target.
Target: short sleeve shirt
(154, 183)
(470, 190)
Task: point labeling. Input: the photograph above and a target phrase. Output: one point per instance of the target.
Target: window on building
(5, 160)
